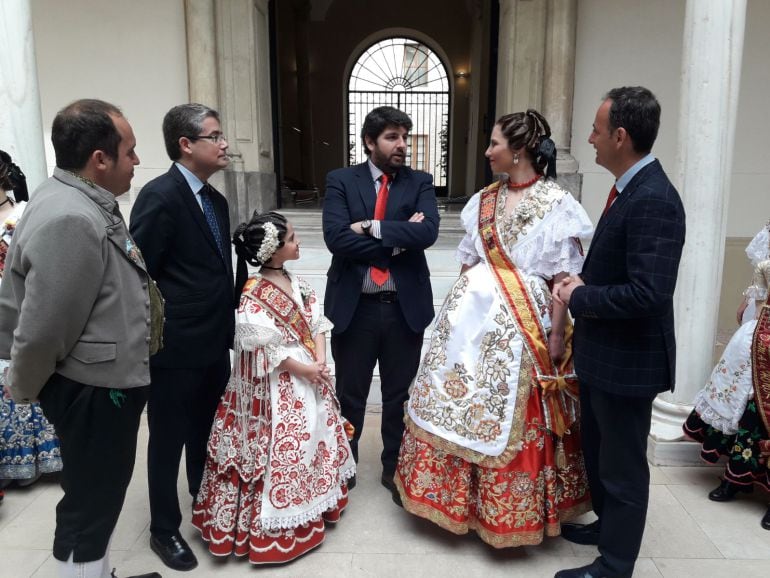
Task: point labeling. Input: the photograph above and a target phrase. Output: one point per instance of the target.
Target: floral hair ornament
(269, 244)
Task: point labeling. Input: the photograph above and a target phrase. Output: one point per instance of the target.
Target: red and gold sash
(760, 365)
(559, 384)
(282, 308)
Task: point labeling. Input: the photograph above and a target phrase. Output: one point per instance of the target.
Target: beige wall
(132, 54)
(624, 42)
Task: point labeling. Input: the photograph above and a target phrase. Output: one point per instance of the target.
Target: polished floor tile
(686, 534)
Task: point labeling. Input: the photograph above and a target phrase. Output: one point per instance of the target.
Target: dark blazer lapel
(366, 188)
(614, 211)
(188, 197)
(396, 193)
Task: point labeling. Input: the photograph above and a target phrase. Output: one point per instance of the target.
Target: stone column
(200, 22)
(521, 55)
(243, 65)
(21, 124)
(559, 87)
(536, 69)
(713, 47)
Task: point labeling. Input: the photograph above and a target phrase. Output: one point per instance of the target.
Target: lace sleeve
(467, 253)
(758, 288)
(555, 247)
(256, 332)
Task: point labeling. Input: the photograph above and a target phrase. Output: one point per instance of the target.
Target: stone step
(308, 224)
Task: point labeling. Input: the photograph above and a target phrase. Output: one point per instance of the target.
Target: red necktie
(611, 197)
(379, 276)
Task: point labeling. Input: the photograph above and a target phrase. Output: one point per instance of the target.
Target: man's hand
(357, 229)
(417, 218)
(562, 291)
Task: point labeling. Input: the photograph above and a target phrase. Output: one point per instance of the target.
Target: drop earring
(516, 159)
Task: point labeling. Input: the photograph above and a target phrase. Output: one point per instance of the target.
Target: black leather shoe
(586, 534)
(351, 483)
(150, 575)
(389, 483)
(593, 570)
(727, 491)
(174, 551)
(766, 519)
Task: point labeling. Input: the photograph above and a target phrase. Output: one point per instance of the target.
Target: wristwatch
(366, 226)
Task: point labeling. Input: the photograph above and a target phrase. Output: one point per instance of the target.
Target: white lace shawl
(543, 250)
(759, 247)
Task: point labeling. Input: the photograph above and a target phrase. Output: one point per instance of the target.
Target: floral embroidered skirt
(744, 464)
(227, 512)
(512, 505)
(28, 443)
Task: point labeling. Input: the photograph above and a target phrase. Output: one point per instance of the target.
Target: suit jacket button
(148, 321)
(110, 232)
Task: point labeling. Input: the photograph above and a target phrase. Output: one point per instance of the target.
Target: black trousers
(377, 333)
(97, 429)
(180, 412)
(614, 429)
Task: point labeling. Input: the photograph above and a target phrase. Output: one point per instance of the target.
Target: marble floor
(687, 535)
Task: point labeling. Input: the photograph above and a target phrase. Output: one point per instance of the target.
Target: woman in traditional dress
(278, 456)
(731, 417)
(28, 444)
(492, 441)
(757, 251)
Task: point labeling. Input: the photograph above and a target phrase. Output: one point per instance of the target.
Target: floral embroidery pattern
(536, 203)
(508, 506)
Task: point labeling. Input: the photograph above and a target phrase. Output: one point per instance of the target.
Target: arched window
(406, 74)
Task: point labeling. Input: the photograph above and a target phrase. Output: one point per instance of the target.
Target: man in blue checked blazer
(624, 346)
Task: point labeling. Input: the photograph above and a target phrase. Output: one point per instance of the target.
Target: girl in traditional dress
(28, 444)
(491, 442)
(731, 417)
(278, 456)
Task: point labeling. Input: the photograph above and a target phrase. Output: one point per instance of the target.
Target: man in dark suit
(624, 345)
(378, 219)
(182, 226)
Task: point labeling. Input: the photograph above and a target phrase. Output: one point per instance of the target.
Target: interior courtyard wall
(623, 42)
(132, 54)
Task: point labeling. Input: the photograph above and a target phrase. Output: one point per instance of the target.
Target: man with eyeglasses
(181, 224)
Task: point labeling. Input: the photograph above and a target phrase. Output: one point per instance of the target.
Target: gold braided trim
(496, 540)
(513, 446)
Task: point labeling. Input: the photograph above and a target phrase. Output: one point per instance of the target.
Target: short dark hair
(637, 110)
(184, 120)
(381, 118)
(81, 128)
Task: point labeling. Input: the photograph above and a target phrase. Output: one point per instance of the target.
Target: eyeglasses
(216, 138)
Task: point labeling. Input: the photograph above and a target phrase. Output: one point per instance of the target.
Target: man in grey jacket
(79, 319)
